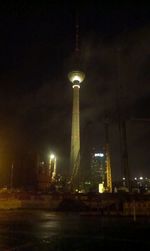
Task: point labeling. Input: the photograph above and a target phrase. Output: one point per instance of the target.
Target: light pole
(52, 167)
(11, 176)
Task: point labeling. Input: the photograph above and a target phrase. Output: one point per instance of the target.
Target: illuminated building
(98, 171)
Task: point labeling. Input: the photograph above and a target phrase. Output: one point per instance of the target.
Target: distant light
(141, 178)
(123, 178)
(76, 86)
(135, 178)
(52, 156)
(99, 155)
(101, 188)
(76, 76)
(87, 183)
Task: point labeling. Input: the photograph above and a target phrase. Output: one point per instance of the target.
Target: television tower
(76, 77)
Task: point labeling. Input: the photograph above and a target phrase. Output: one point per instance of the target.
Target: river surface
(53, 231)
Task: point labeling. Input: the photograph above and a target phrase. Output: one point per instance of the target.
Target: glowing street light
(141, 178)
(52, 156)
(52, 167)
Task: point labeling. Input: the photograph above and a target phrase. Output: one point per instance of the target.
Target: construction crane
(108, 163)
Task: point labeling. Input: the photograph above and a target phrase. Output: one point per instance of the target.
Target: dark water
(43, 230)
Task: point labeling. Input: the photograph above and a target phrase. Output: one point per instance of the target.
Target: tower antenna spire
(77, 34)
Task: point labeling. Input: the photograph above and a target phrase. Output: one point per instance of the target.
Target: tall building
(98, 170)
(43, 176)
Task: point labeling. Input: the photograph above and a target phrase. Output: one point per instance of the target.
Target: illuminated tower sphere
(76, 78)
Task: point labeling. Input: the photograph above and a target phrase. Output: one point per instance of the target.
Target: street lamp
(52, 167)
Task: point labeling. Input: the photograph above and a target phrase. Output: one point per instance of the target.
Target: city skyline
(36, 96)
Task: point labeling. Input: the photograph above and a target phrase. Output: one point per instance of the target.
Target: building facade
(98, 171)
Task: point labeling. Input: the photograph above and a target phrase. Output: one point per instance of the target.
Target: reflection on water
(36, 230)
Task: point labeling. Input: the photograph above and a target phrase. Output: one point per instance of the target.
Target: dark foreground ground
(44, 230)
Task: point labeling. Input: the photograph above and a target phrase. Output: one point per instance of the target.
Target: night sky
(36, 44)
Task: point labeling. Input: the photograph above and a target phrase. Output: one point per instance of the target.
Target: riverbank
(105, 204)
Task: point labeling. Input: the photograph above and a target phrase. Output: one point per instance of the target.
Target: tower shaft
(76, 78)
(75, 135)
